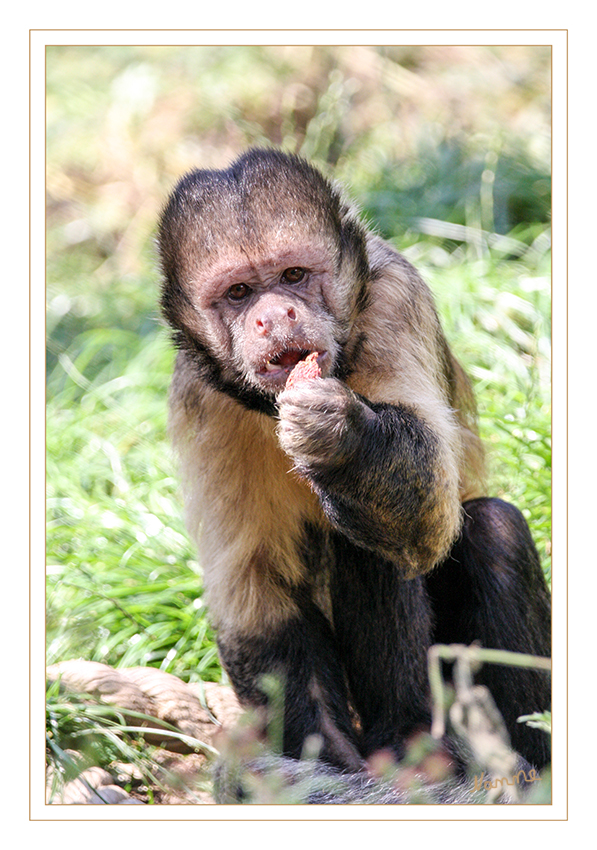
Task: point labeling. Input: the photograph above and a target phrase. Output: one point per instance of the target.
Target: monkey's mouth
(286, 360)
(279, 366)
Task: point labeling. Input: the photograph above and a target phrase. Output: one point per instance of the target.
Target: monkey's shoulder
(398, 331)
(381, 254)
(400, 305)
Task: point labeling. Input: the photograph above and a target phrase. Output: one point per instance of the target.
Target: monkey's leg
(383, 628)
(491, 589)
(303, 654)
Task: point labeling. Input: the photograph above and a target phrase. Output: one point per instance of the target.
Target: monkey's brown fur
(264, 263)
(243, 506)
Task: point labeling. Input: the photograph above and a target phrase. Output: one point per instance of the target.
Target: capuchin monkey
(341, 524)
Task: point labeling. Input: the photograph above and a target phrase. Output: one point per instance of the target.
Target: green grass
(123, 585)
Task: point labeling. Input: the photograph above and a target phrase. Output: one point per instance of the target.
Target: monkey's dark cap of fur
(259, 191)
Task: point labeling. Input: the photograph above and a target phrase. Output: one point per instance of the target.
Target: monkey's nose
(275, 318)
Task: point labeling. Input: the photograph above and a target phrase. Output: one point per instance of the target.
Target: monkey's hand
(376, 469)
(321, 424)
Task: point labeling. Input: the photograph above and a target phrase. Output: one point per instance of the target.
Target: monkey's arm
(378, 469)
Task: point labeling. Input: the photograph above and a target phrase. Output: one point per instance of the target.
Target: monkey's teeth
(286, 360)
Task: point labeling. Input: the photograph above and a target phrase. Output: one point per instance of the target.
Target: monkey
(342, 524)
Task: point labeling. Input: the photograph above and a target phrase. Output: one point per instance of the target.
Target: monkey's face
(262, 310)
(263, 264)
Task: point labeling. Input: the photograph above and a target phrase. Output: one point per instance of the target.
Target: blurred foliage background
(446, 149)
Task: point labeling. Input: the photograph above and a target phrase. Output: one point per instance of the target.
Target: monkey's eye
(238, 292)
(293, 275)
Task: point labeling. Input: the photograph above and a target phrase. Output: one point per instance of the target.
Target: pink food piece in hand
(305, 370)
